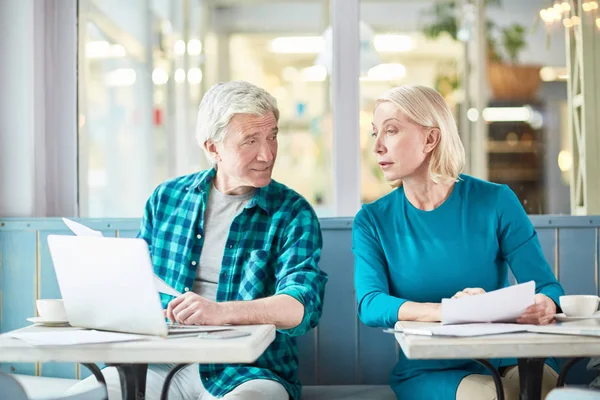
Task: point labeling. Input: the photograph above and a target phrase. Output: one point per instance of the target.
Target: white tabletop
(512, 345)
(156, 350)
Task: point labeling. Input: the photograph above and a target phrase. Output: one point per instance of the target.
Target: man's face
(246, 156)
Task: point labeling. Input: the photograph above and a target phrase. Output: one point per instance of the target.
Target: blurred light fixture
(179, 75)
(120, 77)
(513, 114)
(506, 114)
(551, 74)
(298, 45)
(103, 49)
(315, 73)
(385, 72)
(159, 76)
(565, 161)
(179, 47)
(385, 43)
(194, 47)
(194, 76)
(472, 114)
(393, 43)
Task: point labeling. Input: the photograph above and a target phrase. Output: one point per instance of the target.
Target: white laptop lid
(108, 283)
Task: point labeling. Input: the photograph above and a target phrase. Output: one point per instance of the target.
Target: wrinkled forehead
(250, 123)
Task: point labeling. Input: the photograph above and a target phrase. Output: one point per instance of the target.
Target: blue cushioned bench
(342, 358)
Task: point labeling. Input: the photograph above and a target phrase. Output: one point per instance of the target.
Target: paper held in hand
(82, 230)
(503, 305)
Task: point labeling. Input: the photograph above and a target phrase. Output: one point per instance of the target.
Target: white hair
(223, 101)
(426, 107)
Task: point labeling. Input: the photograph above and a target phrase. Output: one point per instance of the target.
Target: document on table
(503, 305)
(463, 330)
(73, 337)
(587, 327)
(82, 230)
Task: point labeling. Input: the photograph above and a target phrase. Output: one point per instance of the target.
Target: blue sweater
(406, 254)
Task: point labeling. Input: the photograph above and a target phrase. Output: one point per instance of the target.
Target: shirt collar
(204, 179)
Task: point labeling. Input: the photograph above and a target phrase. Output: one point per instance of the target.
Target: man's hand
(541, 313)
(468, 292)
(192, 309)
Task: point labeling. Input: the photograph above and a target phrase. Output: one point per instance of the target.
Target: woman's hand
(541, 313)
(468, 292)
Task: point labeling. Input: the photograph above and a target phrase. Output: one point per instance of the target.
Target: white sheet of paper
(503, 305)
(464, 330)
(586, 327)
(72, 337)
(79, 229)
(162, 287)
(82, 230)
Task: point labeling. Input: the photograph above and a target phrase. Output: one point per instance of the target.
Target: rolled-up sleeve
(145, 231)
(298, 274)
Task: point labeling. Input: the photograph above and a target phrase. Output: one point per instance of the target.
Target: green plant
(513, 41)
(511, 38)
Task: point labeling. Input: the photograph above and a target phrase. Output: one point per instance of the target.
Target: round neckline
(448, 200)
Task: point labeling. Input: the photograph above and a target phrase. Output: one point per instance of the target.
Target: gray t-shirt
(220, 212)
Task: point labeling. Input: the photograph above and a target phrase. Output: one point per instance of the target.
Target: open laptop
(108, 284)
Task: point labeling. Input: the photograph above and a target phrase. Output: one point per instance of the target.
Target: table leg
(496, 376)
(530, 376)
(563, 373)
(133, 380)
(165, 389)
(94, 369)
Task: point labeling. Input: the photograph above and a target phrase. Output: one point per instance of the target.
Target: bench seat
(348, 392)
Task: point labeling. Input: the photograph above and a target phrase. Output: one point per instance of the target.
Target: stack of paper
(503, 305)
(82, 230)
(464, 330)
(589, 327)
(73, 337)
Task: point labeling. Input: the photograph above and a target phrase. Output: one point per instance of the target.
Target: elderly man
(243, 247)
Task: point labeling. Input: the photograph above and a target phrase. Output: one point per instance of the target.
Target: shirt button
(231, 246)
(186, 289)
(199, 236)
(224, 274)
(193, 262)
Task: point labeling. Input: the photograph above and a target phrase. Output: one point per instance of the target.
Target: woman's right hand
(468, 292)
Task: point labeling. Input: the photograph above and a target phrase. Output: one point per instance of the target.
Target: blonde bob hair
(426, 107)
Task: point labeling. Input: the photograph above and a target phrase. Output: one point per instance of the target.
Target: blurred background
(504, 66)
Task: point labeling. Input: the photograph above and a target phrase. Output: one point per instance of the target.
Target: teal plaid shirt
(273, 247)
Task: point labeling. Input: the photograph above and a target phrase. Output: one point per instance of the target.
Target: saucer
(563, 318)
(41, 321)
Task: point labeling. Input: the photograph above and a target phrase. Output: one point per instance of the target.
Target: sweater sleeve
(376, 307)
(520, 246)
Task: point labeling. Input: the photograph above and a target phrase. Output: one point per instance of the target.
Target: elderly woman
(243, 247)
(440, 234)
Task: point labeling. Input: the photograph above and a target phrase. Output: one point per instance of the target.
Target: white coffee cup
(51, 309)
(579, 305)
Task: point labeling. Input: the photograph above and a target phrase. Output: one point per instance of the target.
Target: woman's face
(401, 145)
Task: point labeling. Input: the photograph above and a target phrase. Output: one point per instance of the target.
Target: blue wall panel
(547, 237)
(18, 263)
(577, 257)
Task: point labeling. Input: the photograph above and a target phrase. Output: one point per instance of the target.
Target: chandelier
(564, 12)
